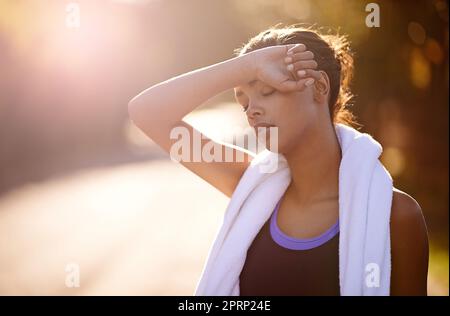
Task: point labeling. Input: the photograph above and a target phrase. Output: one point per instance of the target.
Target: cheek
(293, 121)
(293, 108)
(295, 115)
(302, 109)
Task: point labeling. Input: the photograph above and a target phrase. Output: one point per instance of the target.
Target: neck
(314, 165)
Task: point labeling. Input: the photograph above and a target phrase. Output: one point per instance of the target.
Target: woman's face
(292, 113)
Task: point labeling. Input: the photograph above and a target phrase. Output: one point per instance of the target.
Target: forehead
(238, 91)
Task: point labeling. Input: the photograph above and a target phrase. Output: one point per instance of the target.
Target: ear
(322, 88)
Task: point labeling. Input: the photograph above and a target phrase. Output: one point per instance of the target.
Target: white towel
(365, 198)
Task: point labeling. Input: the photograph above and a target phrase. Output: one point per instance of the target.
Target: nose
(254, 111)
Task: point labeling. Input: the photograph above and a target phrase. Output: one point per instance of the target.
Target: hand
(287, 68)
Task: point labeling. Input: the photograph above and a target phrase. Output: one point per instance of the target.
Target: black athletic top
(277, 264)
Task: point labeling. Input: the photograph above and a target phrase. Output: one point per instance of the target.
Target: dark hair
(332, 54)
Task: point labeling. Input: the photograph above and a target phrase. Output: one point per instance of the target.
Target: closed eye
(269, 93)
(245, 107)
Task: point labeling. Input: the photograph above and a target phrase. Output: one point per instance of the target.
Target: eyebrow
(251, 84)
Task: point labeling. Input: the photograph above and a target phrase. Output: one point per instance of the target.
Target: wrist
(247, 67)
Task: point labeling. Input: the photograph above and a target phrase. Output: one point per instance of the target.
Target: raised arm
(160, 108)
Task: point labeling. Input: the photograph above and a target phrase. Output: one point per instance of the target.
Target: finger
(315, 74)
(299, 56)
(288, 86)
(302, 64)
(295, 85)
(295, 48)
(302, 84)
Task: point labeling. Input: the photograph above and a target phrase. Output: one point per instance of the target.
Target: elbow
(136, 111)
(140, 113)
(132, 109)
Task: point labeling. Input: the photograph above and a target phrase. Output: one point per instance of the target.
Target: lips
(263, 125)
(263, 128)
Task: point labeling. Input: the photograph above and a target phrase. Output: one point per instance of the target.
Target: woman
(298, 81)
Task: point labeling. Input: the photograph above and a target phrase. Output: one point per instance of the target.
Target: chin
(280, 149)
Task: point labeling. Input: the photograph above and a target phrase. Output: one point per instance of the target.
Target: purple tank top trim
(299, 243)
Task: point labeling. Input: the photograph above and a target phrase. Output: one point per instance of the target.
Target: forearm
(169, 101)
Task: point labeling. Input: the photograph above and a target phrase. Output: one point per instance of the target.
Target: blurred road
(141, 229)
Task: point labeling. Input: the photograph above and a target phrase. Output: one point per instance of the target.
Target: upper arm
(409, 246)
(221, 174)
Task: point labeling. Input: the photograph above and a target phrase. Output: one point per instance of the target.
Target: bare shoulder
(409, 246)
(406, 212)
